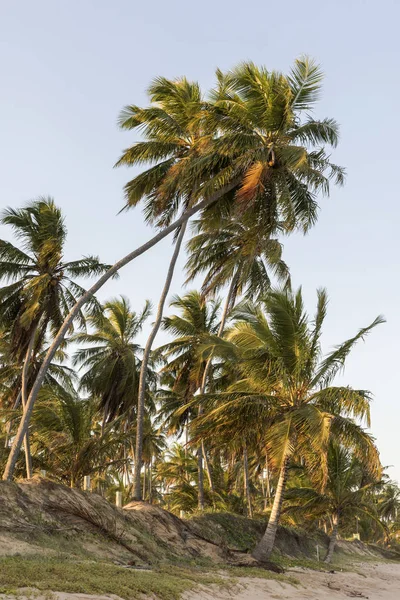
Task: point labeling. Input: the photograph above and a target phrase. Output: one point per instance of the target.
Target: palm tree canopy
(41, 284)
(110, 358)
(253, 138)
(286, 382)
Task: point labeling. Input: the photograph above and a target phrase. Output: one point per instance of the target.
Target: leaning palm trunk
(137, 493)
(262, 551)
(333, 538)
(24, 398)
(23, 426)
(246, 480)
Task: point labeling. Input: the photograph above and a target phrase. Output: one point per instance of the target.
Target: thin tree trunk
(151, 481)
(220, 330)
(137, 495)
(246, 481)
(144, 483)
(333, 538)
(267, 499)
(201, 478)
(262, 551)
(12, 458)
(202, 390)
(10, 422)
(24, 398)
(208, 471)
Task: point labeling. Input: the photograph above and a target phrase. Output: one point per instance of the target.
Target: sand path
(374, 581)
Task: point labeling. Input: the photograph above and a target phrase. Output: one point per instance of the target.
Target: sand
(372, 580)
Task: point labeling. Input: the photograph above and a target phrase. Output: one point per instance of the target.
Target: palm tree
(346, 495)
(172, 126)
(286, 386)
(254, 154)
(111, 358)
(41, 289)
(66, 440)
(197, 321)
(239, 254)
(177, 471)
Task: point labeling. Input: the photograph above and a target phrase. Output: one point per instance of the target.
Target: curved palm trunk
(246, 480)
(23, 426)
(333, 538)
(262, 551)
(137, 493)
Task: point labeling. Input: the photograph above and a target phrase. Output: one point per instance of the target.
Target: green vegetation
(239, 412)
(98, 578)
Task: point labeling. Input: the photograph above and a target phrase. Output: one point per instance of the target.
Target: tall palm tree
(346, 495)
(41, 286)
(197, 321)
(257, 152)
(286, 385)
(111, 358)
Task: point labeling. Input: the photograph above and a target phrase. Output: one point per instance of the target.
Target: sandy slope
(373, 581)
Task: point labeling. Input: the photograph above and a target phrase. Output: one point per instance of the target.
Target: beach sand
(374, 581)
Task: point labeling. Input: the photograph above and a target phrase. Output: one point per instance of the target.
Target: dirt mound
(40, 516)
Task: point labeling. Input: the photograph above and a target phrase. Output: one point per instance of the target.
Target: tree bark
(24, 399)
(208, 471)
(262, 551)
(333, 538)
(137, 494)
(23, 426)
(246, 482)
(201, 478)
(267, 498)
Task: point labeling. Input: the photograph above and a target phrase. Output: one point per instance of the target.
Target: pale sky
(67, 68)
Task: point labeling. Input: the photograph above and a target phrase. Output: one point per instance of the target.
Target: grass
(86, 577)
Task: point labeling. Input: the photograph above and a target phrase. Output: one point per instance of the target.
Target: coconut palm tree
(346, 495)
(41, 286)
(286, 386)
(197, 321)
(111, 358)
(257, 152)
(67, 441)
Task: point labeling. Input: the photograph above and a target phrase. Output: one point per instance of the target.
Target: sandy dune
(373, 581)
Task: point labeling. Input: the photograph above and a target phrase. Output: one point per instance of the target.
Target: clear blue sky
(67, 68)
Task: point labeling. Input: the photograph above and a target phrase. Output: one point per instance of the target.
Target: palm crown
(111, 360)
(42, 288)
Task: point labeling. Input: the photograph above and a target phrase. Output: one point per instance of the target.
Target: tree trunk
(144, 483)
(23, 426)
(267, 499)
(201, 478)
(151, 482)
(208, 471)
(246, 481)
(203, 389)
(24, 399)
(262, 551)
(137, 495)
(333, 538)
